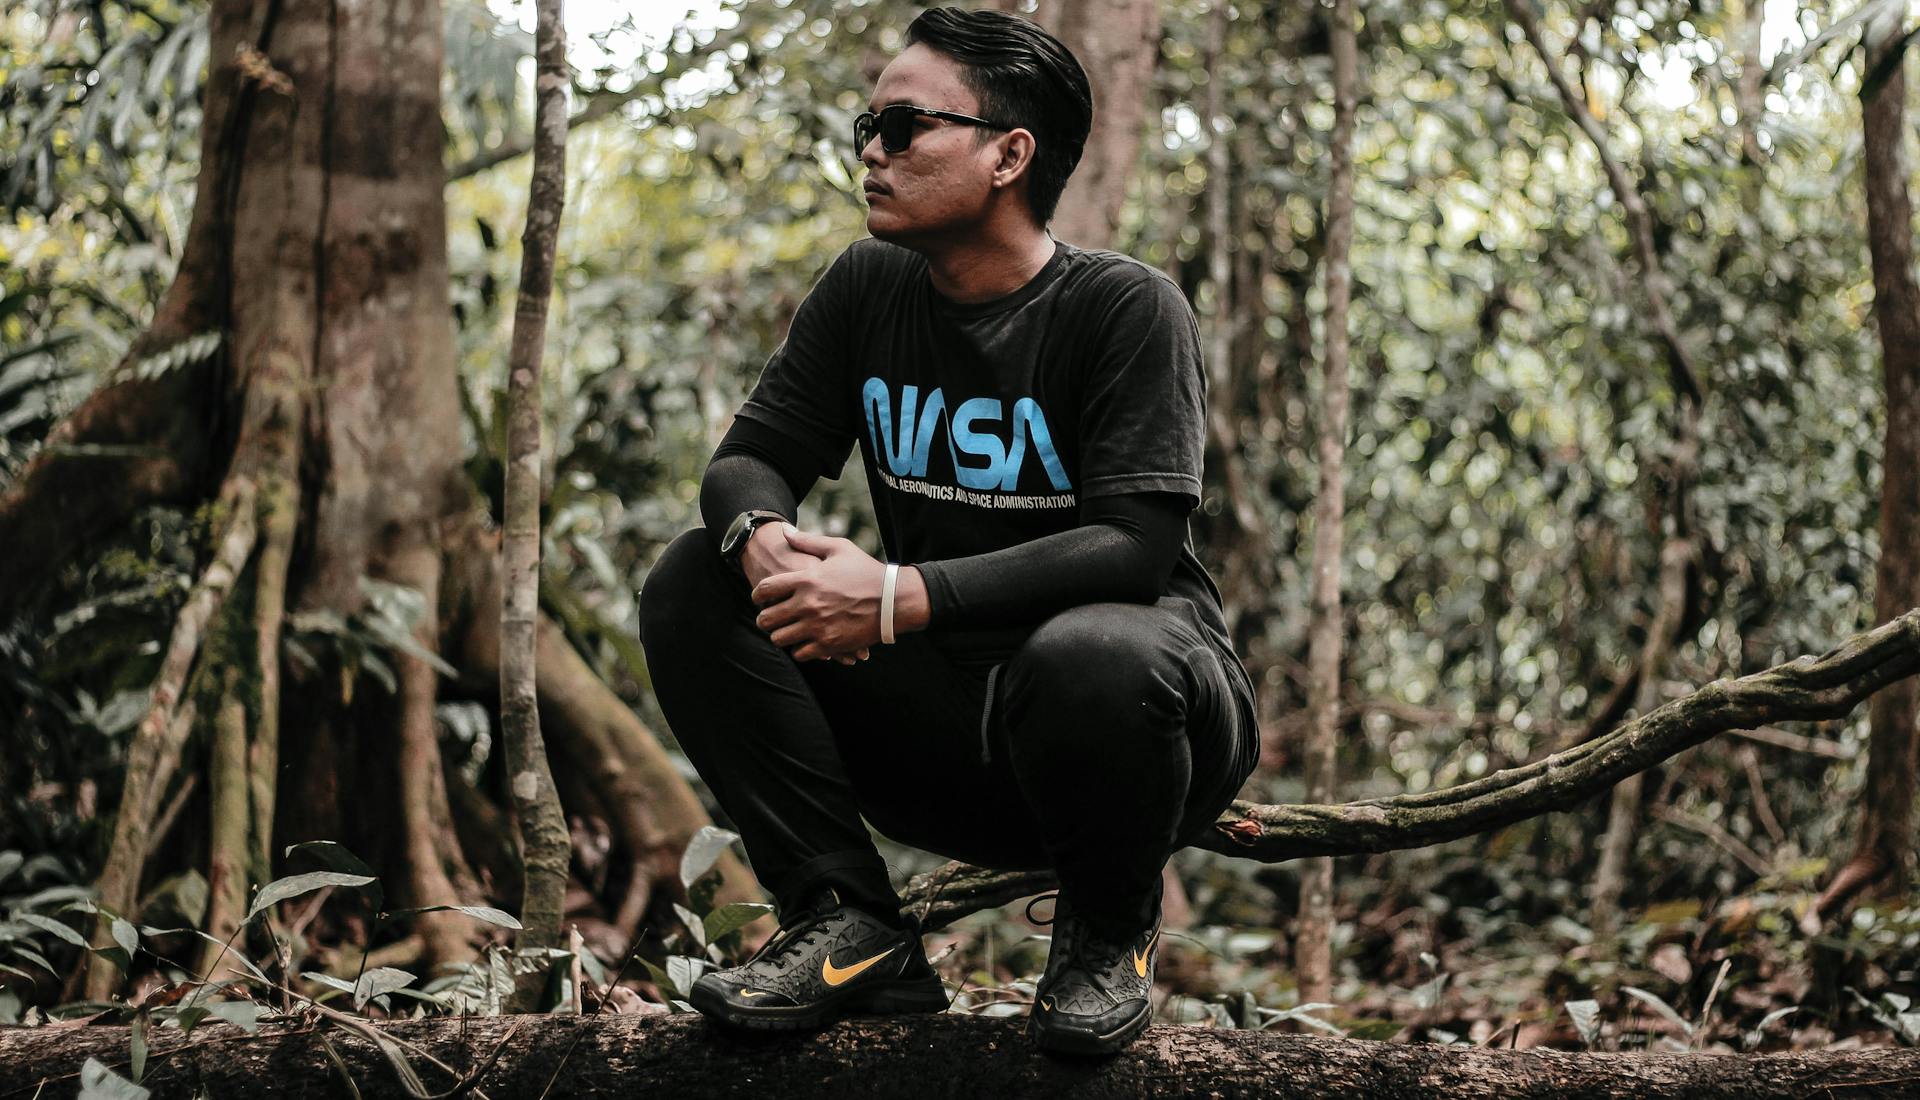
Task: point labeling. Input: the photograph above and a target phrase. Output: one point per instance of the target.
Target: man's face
(940, 185)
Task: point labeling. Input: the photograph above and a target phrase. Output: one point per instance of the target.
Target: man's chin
(882, 225)
(885, 226)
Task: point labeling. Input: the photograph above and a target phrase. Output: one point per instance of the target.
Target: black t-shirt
(985, 425)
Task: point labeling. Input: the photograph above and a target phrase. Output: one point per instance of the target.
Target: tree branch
(1639, 219)
(1810, 688)
(600, 104)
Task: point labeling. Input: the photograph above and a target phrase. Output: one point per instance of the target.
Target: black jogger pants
(1113, 737)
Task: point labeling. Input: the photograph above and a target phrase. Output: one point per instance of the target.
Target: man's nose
(873, 154)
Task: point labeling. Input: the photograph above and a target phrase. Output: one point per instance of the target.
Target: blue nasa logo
(973, 429)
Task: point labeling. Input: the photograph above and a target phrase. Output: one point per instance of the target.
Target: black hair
(1024, 77)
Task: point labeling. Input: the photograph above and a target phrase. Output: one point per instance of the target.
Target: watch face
(741, 529)
(736, 535)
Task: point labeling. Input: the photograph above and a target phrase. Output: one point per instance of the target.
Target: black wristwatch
(734, 543)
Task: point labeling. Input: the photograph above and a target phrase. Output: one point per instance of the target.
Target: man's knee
(1100, 663)
(683, 590)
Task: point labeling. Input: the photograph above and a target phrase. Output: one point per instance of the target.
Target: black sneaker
(834, 960)
(1096, 994)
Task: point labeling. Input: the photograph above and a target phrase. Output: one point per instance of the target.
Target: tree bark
(1117, 42)
(155, 751)
(1883, 852)
(920, 1058)
(1313, 957)
(545, 846)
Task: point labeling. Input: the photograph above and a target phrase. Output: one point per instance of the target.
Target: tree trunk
(1624, 810)
(544, 842)
(1313, 958)
(1118, 44)
(922, 1058)
(322, 416)
(1883, 853)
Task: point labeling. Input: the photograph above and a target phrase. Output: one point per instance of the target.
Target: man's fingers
(779, 615)
(789, 635)
(775, 588)
(808, 542)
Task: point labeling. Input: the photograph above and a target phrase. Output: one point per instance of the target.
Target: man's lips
(873, 189)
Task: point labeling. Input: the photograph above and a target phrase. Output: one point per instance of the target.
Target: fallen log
(924, 1058)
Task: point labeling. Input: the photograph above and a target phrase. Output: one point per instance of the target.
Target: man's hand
(769, 553)
(828, 607)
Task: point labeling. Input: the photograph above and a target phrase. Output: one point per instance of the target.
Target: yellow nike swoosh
(1140, 957)
(755, 993)
(837, 975)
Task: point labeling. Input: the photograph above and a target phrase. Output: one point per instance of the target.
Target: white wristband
(886, 604)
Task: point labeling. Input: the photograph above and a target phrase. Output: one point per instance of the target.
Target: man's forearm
(738, 482)
(753, 467)
(1124, 552)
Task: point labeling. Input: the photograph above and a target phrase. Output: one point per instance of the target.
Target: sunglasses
(894, 125)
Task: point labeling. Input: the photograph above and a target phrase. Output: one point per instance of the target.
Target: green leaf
(97, 1082)
(48, 924)
(126, 937)
(693, 924)
(36, 958)
(684, 970)
(231, 955)
(702, 852)
(335, 856)
(478, 912)
(1586, 1019)
(662, 979)
(137, 1046)
(731, 918)
(377, 982)
(244, 1015)
(329, 981)
(188, 1018)
(293, 886)
(1663, 1008)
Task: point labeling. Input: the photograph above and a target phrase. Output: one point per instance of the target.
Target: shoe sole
(1070, 1040)
(885, 998)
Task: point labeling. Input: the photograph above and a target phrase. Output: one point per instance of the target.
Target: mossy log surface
(924, 1058)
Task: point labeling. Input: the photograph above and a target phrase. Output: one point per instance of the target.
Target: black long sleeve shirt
(1123, 550)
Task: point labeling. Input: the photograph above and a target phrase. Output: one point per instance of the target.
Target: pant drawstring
(986, 714)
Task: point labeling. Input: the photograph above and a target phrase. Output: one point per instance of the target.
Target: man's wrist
(733, 544)
(911, 610)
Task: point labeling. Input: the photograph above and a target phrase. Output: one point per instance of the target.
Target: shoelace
(776, 950)
(1101, 957)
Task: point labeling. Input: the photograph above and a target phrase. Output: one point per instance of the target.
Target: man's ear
(1016, 157)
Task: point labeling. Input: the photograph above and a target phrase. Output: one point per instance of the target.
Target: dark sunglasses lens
(864, 128)
(896, 129)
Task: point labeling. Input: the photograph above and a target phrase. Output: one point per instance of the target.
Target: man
(1046, 681)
